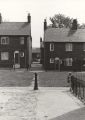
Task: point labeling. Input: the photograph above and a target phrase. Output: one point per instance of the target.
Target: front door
(16, 59)
(57, 63)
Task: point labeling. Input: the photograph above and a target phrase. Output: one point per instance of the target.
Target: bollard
(69, 80)
(36, 83)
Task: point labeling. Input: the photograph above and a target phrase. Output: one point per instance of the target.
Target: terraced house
(63, 48)
(15, 43)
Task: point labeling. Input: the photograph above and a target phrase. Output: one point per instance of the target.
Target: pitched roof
(64, 35)
(15, 28)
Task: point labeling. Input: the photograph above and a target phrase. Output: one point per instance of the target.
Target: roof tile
(15, 28)
(64, 35)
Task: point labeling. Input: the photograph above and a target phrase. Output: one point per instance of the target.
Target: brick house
(63, 48)
(15, 44)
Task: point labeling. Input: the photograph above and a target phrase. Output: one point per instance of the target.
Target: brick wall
(77, 54)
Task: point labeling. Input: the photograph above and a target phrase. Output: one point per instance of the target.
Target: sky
(17, 10)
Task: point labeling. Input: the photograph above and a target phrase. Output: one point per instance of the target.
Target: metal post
(36, 83)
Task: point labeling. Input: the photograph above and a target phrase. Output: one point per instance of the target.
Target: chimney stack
(29, 18)
(40, 42)
(40, 39)
(0, 18)
(74, 24)
(45, 24)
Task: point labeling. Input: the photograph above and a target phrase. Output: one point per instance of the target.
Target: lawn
(53, 79)
(22, 78)
(10, 78)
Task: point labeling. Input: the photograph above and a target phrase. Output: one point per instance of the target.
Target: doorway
(57, 63)
(16, 59)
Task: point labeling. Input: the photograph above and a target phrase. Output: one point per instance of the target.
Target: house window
(84, 47)
(4, 40)
(51, 60)
(68, 47)
(51, 46)
(4, 55)
(22, 40)
(21, 54)
(68, 61)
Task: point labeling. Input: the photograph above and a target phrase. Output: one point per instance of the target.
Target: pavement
(47, 103)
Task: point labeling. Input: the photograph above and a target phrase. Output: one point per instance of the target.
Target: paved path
(23, 103)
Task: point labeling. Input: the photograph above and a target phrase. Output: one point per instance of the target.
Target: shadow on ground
(78, 114)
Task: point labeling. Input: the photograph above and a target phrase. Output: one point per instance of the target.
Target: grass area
(53, 79)
(24, 78)
(15, 78)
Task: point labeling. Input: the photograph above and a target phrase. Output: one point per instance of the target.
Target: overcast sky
(17, 10)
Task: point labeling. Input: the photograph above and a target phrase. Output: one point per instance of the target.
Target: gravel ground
(53, 79)
(23, 103)
(17, 104)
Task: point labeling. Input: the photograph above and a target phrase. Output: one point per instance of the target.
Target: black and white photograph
(42, 60)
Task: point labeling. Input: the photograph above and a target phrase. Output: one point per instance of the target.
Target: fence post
(83, 92)
(77, 87)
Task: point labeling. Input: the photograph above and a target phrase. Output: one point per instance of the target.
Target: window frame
(68, 47)
(68, 62)
(6, 59)
(22, 39)
(21, 54)
(51, 46)
(52, 60)
(6, 40)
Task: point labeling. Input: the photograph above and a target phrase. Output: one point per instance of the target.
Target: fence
(78, 87)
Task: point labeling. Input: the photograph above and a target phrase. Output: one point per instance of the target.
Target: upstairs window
(68, 61)
(22, 40)
(4, 40)
(51, 46)
(68, 47)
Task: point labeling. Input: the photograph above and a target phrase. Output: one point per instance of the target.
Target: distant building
(36, 54)
(63, 48)
(15, 44)
(41, 51)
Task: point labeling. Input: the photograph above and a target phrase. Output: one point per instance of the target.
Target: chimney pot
(45, 24)
(29, 18)
(74, 24)
(40, 39)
